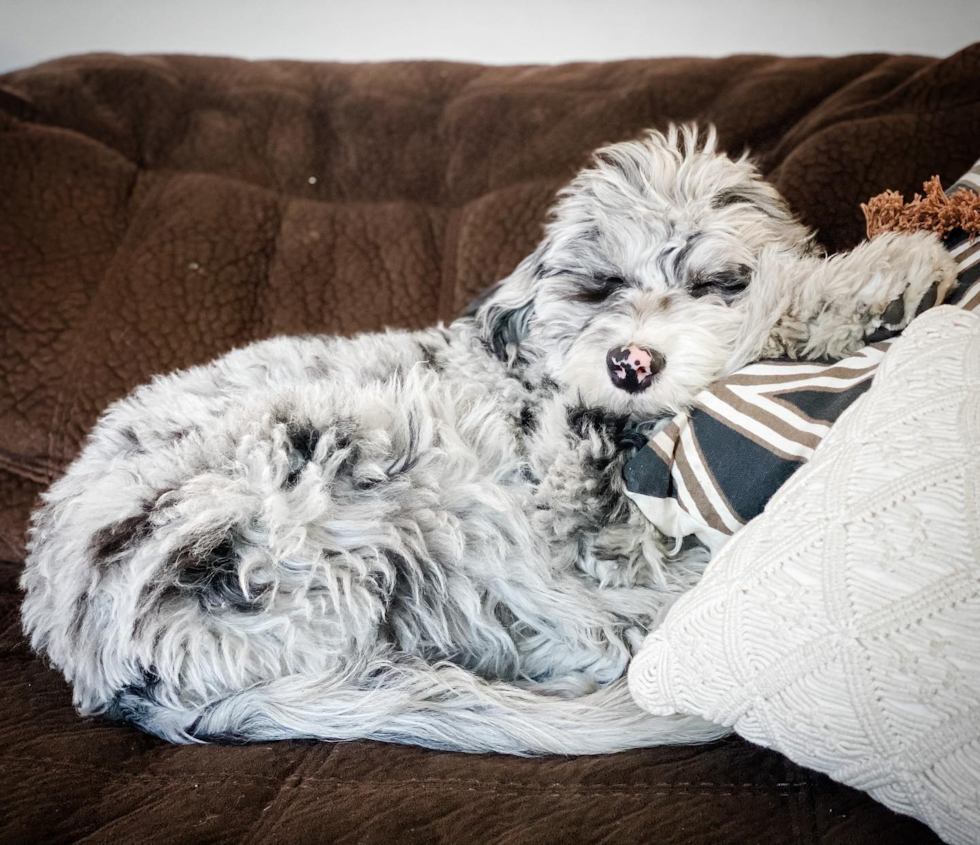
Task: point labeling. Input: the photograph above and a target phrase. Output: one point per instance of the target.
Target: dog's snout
(633, 368)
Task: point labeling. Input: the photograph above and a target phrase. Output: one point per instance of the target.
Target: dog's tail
(437, 706)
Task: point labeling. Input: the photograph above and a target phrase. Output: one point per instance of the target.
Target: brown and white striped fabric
(967, 254)
(712, 469)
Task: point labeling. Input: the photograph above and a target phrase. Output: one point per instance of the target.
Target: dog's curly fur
(422, 537)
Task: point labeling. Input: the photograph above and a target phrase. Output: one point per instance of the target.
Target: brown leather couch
(157, 211)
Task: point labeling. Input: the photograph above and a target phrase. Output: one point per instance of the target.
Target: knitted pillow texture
(842, 626)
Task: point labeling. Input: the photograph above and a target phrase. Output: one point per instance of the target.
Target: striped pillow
(715, 467)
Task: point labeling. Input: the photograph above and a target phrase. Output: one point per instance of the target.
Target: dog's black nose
(633, 368)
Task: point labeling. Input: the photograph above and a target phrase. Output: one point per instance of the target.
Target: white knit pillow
(842, 626)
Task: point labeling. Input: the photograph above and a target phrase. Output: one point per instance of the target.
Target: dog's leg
(827, 308)
(603, 550)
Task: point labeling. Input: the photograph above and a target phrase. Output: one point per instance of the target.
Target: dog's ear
(504, 311)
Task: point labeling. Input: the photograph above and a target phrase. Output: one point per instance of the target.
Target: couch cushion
(157, 211)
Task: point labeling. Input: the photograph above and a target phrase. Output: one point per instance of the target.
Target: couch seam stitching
(416, 782)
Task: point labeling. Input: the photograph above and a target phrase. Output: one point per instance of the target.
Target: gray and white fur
(422, 537)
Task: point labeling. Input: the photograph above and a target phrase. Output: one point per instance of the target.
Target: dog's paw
(910, 274)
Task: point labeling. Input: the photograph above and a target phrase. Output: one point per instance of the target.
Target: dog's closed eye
(727, 284)
(735, 196)
(596, 289)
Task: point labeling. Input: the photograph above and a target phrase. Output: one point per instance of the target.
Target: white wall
(495, 31)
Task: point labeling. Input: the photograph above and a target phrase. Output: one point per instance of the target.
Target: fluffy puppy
(421, 537)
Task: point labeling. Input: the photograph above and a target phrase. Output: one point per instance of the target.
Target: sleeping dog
(422, 537)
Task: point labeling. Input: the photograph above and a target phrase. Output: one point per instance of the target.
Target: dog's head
(637, 296)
